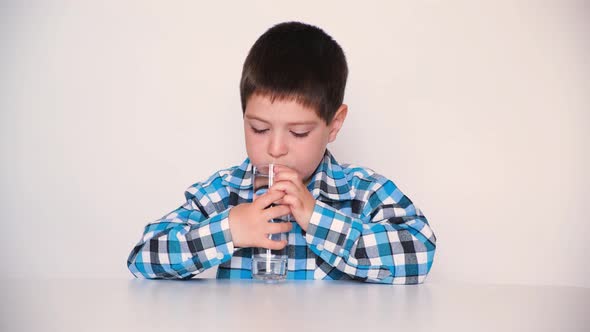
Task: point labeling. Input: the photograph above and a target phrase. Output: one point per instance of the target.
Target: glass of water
(268, 264)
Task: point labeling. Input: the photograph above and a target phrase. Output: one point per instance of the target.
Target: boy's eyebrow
(253, 117)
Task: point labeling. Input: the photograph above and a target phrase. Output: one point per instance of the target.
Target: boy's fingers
(288, 176)
(268, 198)
(274, 245)
(291, 201)
(279, 227)
(287, 187)
(276, 212)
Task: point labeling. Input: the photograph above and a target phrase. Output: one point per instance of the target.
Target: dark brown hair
(296, 61)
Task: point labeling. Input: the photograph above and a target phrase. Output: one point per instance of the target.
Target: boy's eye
(300, 134)
(259, 131)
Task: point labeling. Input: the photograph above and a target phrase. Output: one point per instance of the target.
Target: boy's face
(286, 133)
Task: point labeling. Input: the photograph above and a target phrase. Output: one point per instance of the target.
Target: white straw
(270, 181)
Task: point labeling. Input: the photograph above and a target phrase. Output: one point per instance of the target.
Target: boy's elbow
(412, 275)
(157, 271)
(416, 266)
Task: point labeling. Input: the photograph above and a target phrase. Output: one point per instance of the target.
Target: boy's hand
(297, 197)
(249, 226)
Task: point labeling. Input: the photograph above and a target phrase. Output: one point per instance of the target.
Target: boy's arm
(391, 243)
(183, 243)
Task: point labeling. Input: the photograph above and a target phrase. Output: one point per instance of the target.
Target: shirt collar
(328, 180)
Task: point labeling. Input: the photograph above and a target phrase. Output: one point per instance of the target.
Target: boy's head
(296, 61)
(292, 89)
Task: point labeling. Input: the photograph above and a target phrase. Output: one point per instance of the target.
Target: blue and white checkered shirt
(362, 227)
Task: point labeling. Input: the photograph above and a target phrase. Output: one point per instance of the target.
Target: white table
(222, 305)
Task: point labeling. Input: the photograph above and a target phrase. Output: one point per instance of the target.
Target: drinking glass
(268, 264)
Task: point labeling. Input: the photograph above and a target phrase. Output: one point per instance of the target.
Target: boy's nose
(277, 147)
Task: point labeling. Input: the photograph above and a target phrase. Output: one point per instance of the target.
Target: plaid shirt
(362, 227)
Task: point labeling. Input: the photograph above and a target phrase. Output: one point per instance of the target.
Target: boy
(350, 223)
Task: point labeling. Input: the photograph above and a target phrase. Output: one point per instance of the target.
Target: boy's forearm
(376, 251)
(181, 249)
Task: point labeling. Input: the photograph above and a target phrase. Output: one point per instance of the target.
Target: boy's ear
(337, 122)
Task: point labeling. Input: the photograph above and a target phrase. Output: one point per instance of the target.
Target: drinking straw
(270, 182)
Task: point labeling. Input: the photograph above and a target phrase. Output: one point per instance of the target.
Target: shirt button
(320, 247)
(220, 255)
(342, 252)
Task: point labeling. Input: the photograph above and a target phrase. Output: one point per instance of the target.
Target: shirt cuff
(330, 233)
(212, 241)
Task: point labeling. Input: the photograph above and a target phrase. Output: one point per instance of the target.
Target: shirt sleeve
(183, 243)
(391, 242)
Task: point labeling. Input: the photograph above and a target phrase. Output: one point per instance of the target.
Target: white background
(478, 111)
